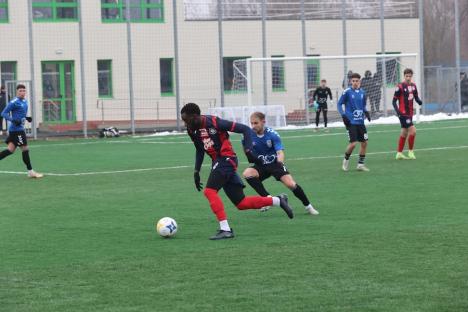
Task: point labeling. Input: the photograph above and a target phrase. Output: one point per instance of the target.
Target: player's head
(462, 75)
(355, 80)
(323, 82)
(2, 88)
(408, 73)
(368, 74)
(257, 122)
(21, 91)
(190, 114)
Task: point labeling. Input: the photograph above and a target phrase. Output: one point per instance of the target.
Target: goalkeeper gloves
(367, 115)
(29, 119)
(196, 178)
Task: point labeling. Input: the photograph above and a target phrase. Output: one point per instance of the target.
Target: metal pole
(176, 61)
(304, 53)
(130, 66)
(82, 72)
(221, 52)
(345, 41)
(382, 46)
(457, 53)
(31, 64)
(249, 81)
(264, 51)
(422, 83)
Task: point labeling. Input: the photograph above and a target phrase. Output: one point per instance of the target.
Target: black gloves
(367, 115)
(29, 119)
(196, 179)
(252, 159)
(346, 121)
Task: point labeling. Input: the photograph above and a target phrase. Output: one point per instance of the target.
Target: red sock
(411, 141)
(254, 202)
(216, 203)
(401, 144)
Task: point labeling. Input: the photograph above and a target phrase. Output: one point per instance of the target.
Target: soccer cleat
(411, 155)
(345, 164)
(221, 234)
(362, 167)
(285, 206)
(310, 210)
(400, 156)
(35, 175)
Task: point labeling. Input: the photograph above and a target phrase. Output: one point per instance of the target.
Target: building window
(54, 10)
(235, 71)
(3, 11)
(149, 11)
(166, 76)
(277, 75)
(7, 71)
(313, 73)
(392, 69)
(104, 78)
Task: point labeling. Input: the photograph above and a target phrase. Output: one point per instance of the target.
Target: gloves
(252, 159)
(17, 122)
(29, 119)
(367, 115)
(196, 178)
(398, 113)
(346, 121)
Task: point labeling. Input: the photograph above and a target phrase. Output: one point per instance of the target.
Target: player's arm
(330, 94)
(416, 96)
(364, 105)
(199, 156)
(278, 146)
(6, 112)
(396, 96)
(342, 101)
(315, 94)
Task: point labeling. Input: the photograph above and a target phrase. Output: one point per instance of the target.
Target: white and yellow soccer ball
(166, 227)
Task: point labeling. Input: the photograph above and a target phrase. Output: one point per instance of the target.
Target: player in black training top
(320, 97)
(210, 135)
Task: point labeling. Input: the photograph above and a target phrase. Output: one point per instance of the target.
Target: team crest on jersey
(269, 144)
(213, 131)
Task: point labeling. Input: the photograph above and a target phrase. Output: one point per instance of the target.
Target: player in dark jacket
(320, 97)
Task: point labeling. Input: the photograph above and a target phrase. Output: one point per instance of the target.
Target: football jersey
(405, 94)
(321, 95)
(266, 145)
(355, 105)
(17, 109)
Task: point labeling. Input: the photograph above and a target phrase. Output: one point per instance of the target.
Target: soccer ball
(166, 227)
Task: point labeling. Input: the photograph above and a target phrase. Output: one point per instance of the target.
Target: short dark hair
(20, 86)
(2, 87)
(190, 109)
(323, 80)
(258, 115)
(408, 71)
(355, 75)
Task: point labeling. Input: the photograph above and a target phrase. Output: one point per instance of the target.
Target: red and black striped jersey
(405, 94)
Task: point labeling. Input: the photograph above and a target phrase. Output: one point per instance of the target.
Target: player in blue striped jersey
(16, 114)
(269, 150)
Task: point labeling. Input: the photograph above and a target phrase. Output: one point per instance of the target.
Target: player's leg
(325, 118)
(352, 135)
(252, 176)
(317, 118)
(9, 150)
(402, 139)
(297, 190)
(27, 162)
(362, 138)
(411, 139)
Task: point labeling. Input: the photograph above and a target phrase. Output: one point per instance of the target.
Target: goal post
(291, 80)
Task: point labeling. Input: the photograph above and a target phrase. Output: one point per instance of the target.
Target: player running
(354, 99)
(269, 150)
(210, 134)
(405, 93)
(15, 113)
(320, 96)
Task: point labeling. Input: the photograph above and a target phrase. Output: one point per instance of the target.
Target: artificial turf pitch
(392, 239)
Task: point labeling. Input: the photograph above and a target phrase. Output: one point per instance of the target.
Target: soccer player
(269, 150)
(354, 100)
(405, 93)
(15, 113)
(321, 95)
(210, 134)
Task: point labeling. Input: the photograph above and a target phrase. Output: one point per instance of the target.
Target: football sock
(257, 185)
(26, 160)
(401, 144)
(5, 153)
(215, 203)
(255, 202)
(317, 118)
(362, 158)
(325, 119)
(299, 193)
(346, 156)
(411, 141)
(224, 225)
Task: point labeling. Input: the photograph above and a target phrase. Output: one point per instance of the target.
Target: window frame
(15, 69)
(282, 75)
(110, 95)
(233, 58)
(54, 5)
(120, 5)
(4, 5)
(166, 93)
(317, 63)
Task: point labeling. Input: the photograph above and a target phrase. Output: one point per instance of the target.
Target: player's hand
(367, 115)
(196, 179)
(398, 114)
(29, 119)
(17, 122)
(346, 121)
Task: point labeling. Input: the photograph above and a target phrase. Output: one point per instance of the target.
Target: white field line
(206, 165)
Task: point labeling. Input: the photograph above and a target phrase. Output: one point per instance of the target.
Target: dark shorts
(322, 107)
(357, 133)
(18, 138)
(275, 169)
(406, 121)
(224, 176)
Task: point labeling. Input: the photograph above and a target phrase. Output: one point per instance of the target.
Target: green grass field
(393, 239)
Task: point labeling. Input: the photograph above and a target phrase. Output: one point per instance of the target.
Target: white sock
(224, 225)
(276, 201)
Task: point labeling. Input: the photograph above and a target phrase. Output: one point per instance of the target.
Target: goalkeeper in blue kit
(16, 114)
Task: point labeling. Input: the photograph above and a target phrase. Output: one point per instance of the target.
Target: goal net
(275, 115)
(291, 81)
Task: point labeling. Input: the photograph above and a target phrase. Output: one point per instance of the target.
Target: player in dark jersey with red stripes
(210, 135)
(405, 94)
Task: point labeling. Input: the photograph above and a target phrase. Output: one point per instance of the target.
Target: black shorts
(276, 169)
(18, 138)
(406, 121)
(322, 107)
(357, 133)
(224, 176)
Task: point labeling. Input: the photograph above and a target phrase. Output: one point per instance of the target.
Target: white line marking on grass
(207, 165)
